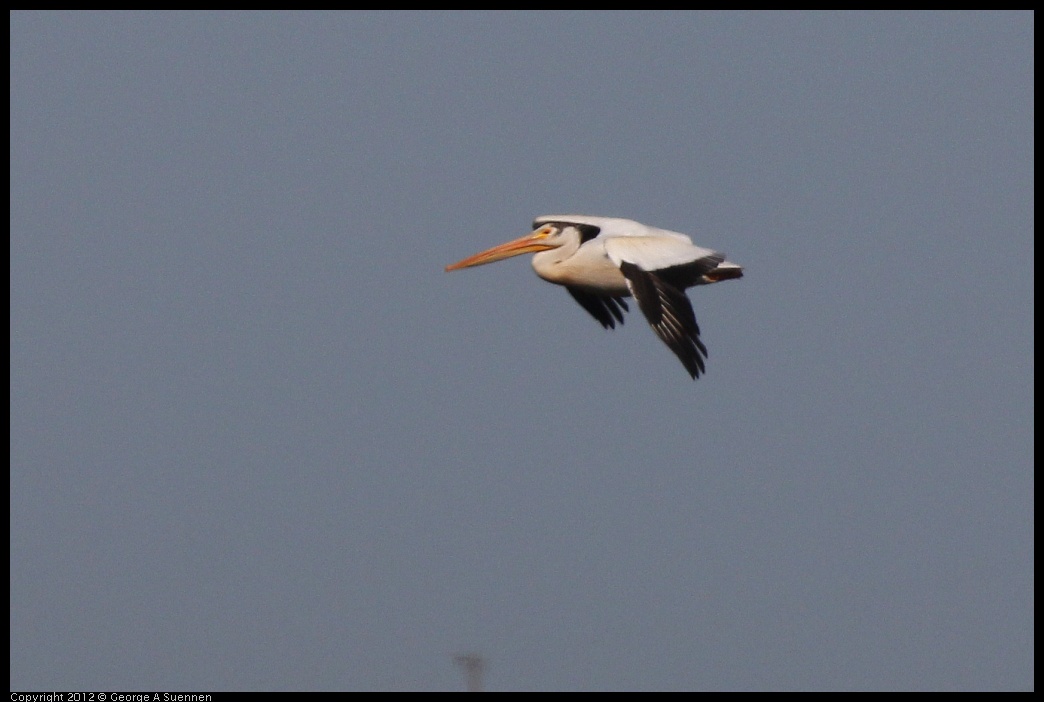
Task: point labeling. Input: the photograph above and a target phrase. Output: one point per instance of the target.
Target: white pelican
(601, 260)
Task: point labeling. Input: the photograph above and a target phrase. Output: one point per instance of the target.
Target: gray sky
(260, 440)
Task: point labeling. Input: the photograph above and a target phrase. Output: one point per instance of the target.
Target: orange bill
(530, 243)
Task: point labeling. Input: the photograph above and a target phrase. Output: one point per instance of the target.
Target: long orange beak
(530, 243)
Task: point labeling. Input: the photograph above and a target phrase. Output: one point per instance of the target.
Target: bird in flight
(601, 260)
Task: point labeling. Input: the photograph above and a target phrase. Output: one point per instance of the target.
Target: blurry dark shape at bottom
(474, 665)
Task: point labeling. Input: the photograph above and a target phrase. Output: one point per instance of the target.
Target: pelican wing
(602, 308)
(670, 314)
(654, 251)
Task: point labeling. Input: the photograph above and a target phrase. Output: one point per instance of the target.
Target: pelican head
(546, 236)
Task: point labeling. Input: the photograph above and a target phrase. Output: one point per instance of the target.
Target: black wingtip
(670, 314)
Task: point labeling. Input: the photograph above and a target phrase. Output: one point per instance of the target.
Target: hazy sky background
(260, 440)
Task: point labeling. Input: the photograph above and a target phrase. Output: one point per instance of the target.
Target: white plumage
(601, 260)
